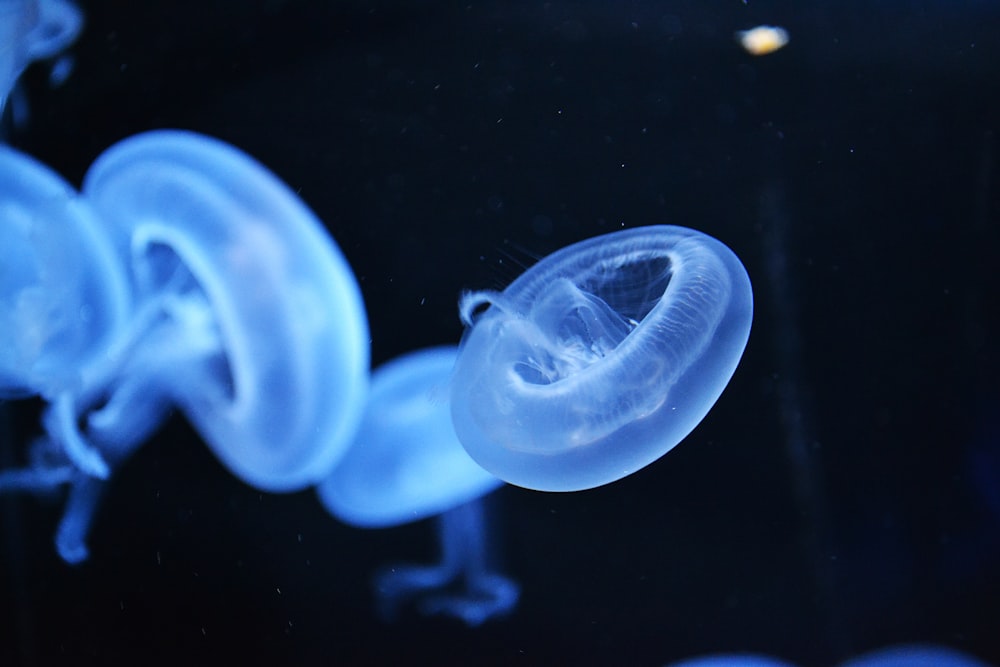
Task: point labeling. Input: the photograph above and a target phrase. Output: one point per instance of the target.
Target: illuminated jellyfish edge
(480, 380)
(271, 447)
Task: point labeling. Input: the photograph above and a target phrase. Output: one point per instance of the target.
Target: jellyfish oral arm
(462, 585)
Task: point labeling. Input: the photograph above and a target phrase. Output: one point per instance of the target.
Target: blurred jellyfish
(187, 276)
(406, 464)
(914, 655)
(35, 30)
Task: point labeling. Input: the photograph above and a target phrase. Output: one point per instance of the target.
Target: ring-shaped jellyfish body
(244, 314)
(732, 660)
(406, 464)
(914, 655)
(63, 295)
(256, 307)
(600, 358)
(33, 30)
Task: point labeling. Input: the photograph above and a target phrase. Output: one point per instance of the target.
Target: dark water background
(843, 494)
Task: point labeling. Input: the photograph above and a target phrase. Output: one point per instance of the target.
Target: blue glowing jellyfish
(244, 314)
(33, 30)
(600, 358)
(914, 655)
(406, 464)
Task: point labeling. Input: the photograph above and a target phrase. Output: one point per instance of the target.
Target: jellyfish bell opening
(605, 355)
(577, 329)
(188, 321)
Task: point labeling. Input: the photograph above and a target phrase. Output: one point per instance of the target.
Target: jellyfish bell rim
(364, 488)
(220, 179)
(507, 435)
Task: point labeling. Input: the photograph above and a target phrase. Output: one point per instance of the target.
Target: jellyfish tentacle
(482, 593)
(461, 585)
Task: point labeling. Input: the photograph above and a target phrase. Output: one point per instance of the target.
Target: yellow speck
(763, 39)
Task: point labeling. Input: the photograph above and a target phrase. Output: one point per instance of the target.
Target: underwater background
(842, 495)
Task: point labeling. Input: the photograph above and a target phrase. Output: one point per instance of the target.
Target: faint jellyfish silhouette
(982, 462)
(600, 358)
(914, 655)
(406, 464)
(245, 315)
(907, 655)
(34, 30)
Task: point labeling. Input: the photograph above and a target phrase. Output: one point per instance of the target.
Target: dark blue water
(841, 496)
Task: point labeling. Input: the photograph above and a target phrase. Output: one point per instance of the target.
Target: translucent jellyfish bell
(600, 358)
(223, 254)
(406, 464)
(63, 295)
(246, 316)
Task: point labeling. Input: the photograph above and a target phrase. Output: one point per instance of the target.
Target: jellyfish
(213, 289)
(33, 30)
(63, 294)
(600, 358)
(405, 465)
(907, 655)
(914, 655)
